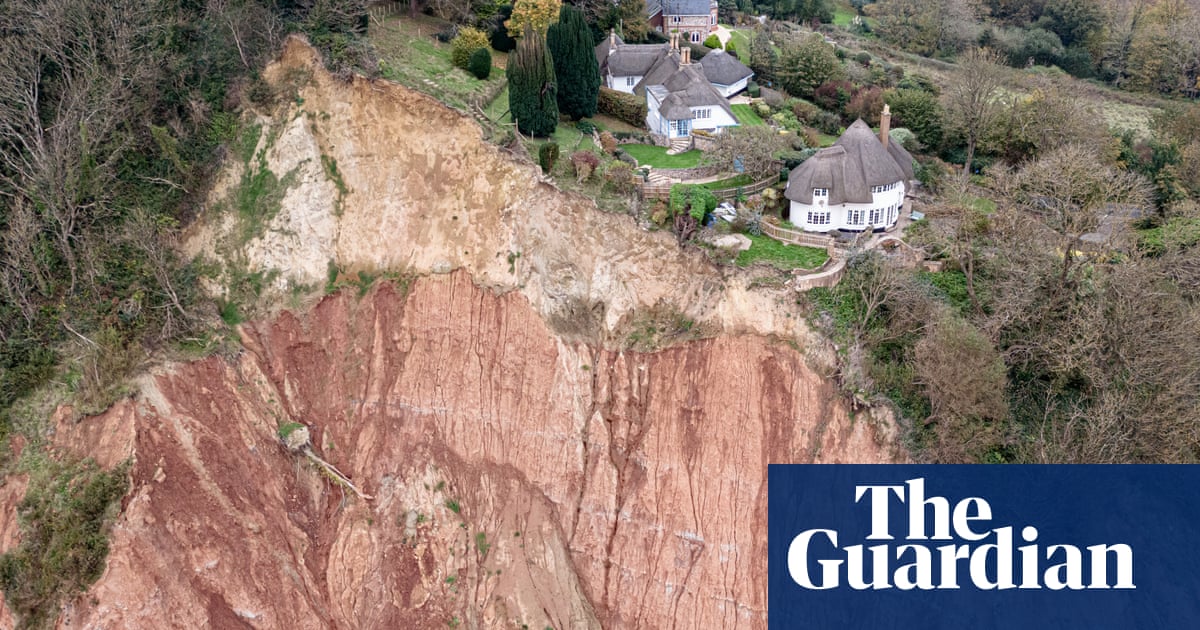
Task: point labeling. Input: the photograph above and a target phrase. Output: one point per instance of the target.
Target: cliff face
(523, 470)
(517, 479)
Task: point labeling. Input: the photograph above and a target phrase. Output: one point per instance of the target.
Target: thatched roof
(607, 45)
(849, 168)
(723, 68)
(635, 60)
(687, 88)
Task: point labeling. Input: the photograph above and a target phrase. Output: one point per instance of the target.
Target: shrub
(863, 58)
(480, 63)
(625, 107)
(569, 42)
(464, 45)
(773, 98)
(584, 163)
(804, 111)
(447, 34)
(713, 42)
(608, 143)
(547, 156)
(833, 95)
(620, 176)
(731, 49)
(693, 199)
(866, 104)
(828, 122)
(585, 127)
(753, 90)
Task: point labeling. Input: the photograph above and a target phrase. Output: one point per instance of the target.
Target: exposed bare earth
(524, 470)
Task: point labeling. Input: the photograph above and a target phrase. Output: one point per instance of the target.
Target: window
(820, 192)
(695, 37)
(713, 19)
(630, 81)
(702, 113)
(818, 218)
(854, 217)
(876, 216)
(674, 19)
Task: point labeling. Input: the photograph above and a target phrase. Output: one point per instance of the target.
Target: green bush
(731, 49)
(464, 45)
(64, 517)
(713, 42)
(753, 90)
(693, 199)
(547, 156)
(625, 107)
(480, 64)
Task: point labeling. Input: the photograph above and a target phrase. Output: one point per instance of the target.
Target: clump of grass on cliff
(65, 517)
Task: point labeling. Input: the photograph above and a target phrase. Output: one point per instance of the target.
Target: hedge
(629, 108)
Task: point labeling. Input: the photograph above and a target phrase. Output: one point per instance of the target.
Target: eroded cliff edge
(525, 470)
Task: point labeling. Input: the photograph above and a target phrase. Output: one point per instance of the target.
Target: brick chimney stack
(885, 125)
(686, 56)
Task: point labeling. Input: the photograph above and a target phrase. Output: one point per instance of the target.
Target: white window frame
(695, 37)
(876, 216)
(674, 19)
(820, 192)
(854, 217)
(816, 217)
(629, 82)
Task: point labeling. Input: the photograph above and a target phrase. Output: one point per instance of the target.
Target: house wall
(691, 23)
(839, 214)
(719, 118)
(622, 84)
(729, 90)
(654, 122)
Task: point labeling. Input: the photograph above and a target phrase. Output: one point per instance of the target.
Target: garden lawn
(409, 55)
(648, 154)
(730, 182)
(746, 115)
(779, 255)
(741, 41)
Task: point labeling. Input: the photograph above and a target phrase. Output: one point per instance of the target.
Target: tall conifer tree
(531, 86)
(570, 44)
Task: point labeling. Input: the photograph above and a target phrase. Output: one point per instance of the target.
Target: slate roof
(653, 7)
(724, 69)
(686, 7)
(849, 168)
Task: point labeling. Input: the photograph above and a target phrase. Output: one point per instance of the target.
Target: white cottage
(857, 184)
(679, 98)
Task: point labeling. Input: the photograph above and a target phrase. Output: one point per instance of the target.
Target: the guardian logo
(948, 547)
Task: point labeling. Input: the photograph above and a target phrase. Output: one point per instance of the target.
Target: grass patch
(657, 156)
(1176, 234)
(65, 517)
(410, 55)
(780, 255)
(843, 15)
(741, 42)
(743, 179)
(746, 115)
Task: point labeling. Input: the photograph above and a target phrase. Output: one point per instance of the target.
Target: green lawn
(781, 256)
(842, 15)
(730, 182)
(746, 115)
(741, 42)
(658, 158)
(409, 55)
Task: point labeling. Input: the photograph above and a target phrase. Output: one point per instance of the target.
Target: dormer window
(820, 192)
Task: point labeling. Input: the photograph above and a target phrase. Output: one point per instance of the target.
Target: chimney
(674, 41)
(687, 56)
(885, 125)
(612, 39)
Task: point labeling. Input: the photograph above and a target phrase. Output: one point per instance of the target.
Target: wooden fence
(750, 189)
(797, 237)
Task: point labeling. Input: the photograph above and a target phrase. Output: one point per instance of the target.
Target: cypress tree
(531, 86)
(571, 48)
